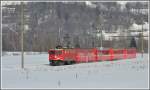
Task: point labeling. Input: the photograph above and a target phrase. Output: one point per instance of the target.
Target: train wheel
(65, 62)
(55, 63)
(69, 62)
(73, 62)
(58, 63)
(52, 63)
(61, 62)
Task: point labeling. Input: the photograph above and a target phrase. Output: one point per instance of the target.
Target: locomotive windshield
(55, 52)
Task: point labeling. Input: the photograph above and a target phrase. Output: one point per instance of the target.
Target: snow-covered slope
(130, 73)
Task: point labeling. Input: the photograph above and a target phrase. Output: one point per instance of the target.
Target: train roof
(69, 48)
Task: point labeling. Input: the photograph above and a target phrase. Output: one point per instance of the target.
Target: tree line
(48, 24)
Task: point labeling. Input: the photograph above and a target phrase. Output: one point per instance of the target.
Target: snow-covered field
(129, 73)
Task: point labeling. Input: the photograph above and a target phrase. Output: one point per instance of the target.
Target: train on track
(78, 55)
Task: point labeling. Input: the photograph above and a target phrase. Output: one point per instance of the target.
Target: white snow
(129, 73)
(7, 53)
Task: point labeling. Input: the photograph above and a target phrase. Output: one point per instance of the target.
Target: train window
(58, 52)
(55, 52)
(51, 52)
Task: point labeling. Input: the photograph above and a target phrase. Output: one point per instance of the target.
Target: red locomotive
(75, 55)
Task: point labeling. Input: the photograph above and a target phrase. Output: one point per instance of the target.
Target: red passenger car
(70, 56)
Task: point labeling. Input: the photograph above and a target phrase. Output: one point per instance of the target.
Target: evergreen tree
(133, 43)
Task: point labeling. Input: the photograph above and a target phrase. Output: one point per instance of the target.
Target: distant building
(137, 29)
(134, 30)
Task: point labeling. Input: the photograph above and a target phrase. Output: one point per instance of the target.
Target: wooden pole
(22, 35)
(142, 48)
(101, 40)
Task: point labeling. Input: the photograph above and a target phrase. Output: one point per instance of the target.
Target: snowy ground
(130, 73)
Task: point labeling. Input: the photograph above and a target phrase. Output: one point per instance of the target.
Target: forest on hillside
(48, 24)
